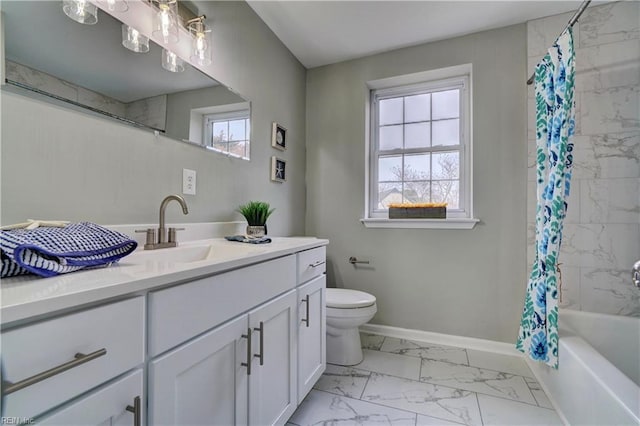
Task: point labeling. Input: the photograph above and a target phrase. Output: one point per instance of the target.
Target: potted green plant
(256, 213)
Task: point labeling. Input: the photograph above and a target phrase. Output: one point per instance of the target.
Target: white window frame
(457, 77)
(227, 116)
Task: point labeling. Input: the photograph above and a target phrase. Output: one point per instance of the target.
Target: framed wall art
(278, 169)
(278, 136)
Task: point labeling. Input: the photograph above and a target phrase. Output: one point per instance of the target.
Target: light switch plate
(188, 182)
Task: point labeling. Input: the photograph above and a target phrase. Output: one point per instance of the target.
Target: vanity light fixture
(200, 52)
(171, 61)
(133, 40)
(81, 11)
(116, 5)
(165, 22)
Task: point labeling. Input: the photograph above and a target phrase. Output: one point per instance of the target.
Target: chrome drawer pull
(306, 301)
(248, 363)
(80, 359)
(136, 410)
(316, 264)
(261, 355)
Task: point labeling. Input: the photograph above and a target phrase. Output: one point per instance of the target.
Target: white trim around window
(456, 78)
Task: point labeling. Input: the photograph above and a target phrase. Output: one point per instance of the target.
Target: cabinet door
(272, 388)
(106, 406)
(202, 382)
(312, 353)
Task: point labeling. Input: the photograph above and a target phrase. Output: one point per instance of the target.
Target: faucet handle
(172, 234)
(151, 235)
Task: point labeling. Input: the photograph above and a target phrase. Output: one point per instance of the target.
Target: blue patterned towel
(250, 240)
(48, 251)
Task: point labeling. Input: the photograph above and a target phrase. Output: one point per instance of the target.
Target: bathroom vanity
(211, 332)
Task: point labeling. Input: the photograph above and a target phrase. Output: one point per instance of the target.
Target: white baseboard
(442, 339)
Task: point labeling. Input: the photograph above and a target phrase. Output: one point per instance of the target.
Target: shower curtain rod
(572, 21)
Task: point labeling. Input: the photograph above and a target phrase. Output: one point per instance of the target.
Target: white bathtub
(598, 380)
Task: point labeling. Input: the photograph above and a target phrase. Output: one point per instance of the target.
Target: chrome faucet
(165, 239)
(635, 274)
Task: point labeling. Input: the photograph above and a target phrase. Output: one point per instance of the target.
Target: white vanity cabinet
(115, 404)
(311, 319)
(203, 381)
(273, 380)
(235, 346)
(59, 359)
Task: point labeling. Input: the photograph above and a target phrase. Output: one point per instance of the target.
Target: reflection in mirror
(88, 66)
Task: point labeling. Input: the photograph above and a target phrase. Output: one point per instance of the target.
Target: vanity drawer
(311, 263)
(112, 336)
(184, 311)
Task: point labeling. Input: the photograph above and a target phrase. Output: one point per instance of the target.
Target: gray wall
(460, 282)
(61, 164)
(601, 237)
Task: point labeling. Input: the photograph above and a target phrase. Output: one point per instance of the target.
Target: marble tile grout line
(367, 402)
(436, 384)
(480, 408)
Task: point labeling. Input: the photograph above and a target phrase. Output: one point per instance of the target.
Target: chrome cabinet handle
(79, 359)
(306, 301)
(316, 264)
(248, 363)
(261, 355)
(136, 410)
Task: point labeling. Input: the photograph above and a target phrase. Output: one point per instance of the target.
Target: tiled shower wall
(601, 238)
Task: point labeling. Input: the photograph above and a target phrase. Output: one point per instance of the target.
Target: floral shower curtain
(555, 121)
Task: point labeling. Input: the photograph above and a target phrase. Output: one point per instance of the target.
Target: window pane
(389, 193)
(220, 146)
(390, 168)
(417, 108)
(417, 192)
(446, 191)
(237, 148)
(416, 167)
(446, 132)
(417, 135)
(236, 130)
(390, 111)
(220, 132)
(446, 165)
(446, 104)
(390, 137)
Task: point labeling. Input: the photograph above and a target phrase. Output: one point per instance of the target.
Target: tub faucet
(163, 241)
(635, 274)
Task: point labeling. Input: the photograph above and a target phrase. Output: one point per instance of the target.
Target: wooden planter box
(417, 212)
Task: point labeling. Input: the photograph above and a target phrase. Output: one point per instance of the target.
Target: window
(228, 133)
(420, 145)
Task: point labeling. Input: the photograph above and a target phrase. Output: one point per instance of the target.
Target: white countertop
(30, 296)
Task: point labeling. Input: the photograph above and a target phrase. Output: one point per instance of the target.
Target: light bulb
(200, 53)
(165, 26)
(80, 11)
(133, 40)
(171, 62)
(117, 5)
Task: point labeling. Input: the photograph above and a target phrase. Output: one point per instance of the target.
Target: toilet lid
(345, 298)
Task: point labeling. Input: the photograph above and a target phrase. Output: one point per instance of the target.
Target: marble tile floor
(404, 382)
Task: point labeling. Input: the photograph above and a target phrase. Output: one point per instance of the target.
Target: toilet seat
(342, 298)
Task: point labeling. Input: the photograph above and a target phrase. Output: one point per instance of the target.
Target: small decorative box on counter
(418, 211)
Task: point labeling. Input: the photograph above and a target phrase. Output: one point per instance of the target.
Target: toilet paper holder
(353, 260)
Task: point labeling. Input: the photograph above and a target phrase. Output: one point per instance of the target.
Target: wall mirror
(87, 67)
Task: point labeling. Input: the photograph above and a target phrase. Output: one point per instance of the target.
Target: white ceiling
(324, 32)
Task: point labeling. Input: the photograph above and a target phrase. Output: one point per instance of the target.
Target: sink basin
(197, 253)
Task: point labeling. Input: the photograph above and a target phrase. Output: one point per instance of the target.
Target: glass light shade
(133, 40)
(81, 11)
(200, 52)
(165, 22)
(171, 62)
(116, 5)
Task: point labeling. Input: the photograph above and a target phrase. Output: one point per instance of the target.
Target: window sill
(450, 223)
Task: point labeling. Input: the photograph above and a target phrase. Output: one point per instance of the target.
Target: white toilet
(346, 311)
